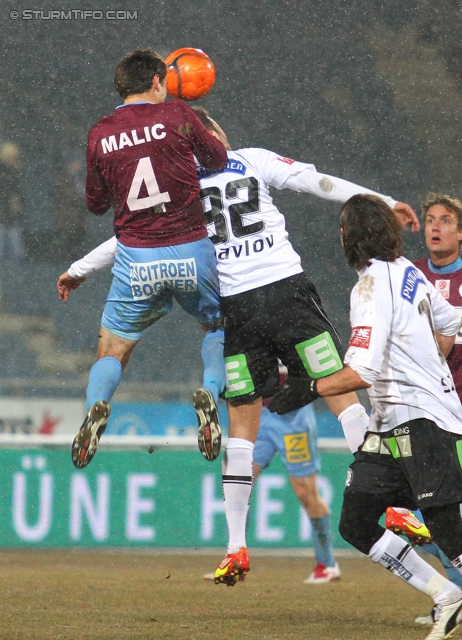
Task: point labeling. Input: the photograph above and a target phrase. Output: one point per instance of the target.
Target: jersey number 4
(144, 174)
(214, 213)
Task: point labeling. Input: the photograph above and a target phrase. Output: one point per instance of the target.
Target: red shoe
(404, 523)
(323, 574)
(233, 568)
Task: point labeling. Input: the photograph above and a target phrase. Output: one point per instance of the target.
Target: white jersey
(394, 313)
(248, 230)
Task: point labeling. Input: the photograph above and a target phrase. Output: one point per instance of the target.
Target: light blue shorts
(295, 436)
(147, 279)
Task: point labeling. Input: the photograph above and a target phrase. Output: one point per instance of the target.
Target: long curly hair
(370, 229)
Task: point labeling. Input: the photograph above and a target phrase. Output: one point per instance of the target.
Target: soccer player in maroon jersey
(442, 217)
(140, 162)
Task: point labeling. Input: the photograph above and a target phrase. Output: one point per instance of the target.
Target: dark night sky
(318, 81)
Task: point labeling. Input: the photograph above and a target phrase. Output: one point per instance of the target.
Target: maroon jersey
(140, 162)
(450, 287)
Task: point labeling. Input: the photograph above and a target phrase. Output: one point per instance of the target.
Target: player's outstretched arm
(66, 283)
(284, 173)
(297, 392)
(101, 257)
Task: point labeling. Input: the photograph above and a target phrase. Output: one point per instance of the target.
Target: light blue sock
(214, 363)
(321, 535)
(452, 573)
(103, 380)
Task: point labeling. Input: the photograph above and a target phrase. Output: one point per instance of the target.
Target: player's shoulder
(424, 265)
(267, 164)
(180, 109)
(376, 276)
(100, 130)
(176, 104)
(248, 157)
(421, 263)
(403, 270)
(249, 153)
(378, 267)
(101, 124)
(266, 154)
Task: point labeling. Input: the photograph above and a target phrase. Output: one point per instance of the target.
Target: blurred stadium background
(367, 90)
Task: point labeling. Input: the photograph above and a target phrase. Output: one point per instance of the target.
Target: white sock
(393, 553)
(237, 487)
(355, 422)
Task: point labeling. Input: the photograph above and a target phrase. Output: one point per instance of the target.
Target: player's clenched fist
(295, 393)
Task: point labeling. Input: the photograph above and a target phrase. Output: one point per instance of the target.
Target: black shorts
(282, 320)
(417, 464)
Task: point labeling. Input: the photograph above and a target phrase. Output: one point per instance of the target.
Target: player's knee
(306, 490)
(311, 500)
(358, 527)
(445, 525)
(357, 535)
(348, 530)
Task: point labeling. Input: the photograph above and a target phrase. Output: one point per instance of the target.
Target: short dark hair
(204, 117)
(134, 73)
(371, 229)
(451, 204)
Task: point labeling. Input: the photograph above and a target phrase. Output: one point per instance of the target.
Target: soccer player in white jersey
(402, 329)
(442, 218)
(271, 309)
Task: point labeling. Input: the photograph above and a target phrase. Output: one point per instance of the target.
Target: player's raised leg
(204, 304)
(113, 355)
(123, 322)
(205, 399)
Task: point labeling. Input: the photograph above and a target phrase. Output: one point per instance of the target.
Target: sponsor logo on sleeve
(202, 172)
(443, 286)
(286, 160)
(412, 278)
(235, 166)
(360, 337)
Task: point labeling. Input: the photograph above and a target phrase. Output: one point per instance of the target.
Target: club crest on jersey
(411, 280)
(148, 279)
(286, 160)
(444, 287)
(360, 337)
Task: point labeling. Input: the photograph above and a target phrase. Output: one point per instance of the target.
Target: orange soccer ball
(190, 73)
